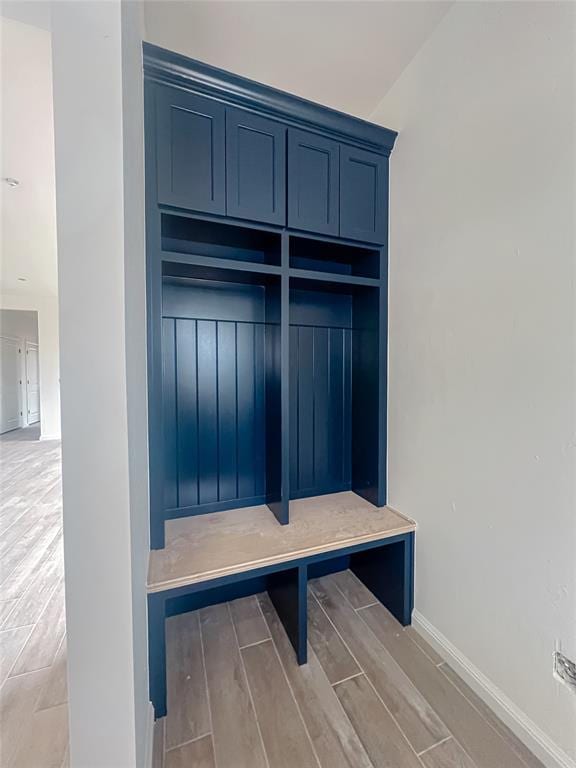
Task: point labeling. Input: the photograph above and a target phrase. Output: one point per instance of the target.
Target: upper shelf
(219, 544)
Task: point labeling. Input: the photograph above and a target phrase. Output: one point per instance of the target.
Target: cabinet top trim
(171, 68)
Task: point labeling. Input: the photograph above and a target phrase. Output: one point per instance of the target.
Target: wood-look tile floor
(373, 694)
(33, 695)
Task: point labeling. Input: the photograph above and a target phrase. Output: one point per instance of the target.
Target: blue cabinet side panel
(363, 195)
(255, 167)
(320, 410)
(313, 183)
(190, 150)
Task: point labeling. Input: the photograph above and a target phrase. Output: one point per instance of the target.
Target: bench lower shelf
(382, 559)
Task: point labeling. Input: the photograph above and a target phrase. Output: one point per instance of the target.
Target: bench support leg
(287, 591)
(388, 572)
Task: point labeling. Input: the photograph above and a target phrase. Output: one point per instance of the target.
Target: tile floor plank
(47, 740)
(448, 754)
(55, 691)
(335, 658)
(285, 738)
(237, 742)
(416, 718)
(195, 754)
(384, 742)
(486, 747)
(433, 655)
(334, 739)
(248, 621)
(12, 641)
(188, 710)
(42, 645)
(521, 749)
(357, 594)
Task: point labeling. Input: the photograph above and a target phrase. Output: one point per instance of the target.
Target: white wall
(19, 324)
(49, 364)
(482, 348)
(101, 258)
(136, 364)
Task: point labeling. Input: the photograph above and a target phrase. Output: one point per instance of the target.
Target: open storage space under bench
(218, 557)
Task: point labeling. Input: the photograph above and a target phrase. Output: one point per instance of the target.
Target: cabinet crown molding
(161, 65)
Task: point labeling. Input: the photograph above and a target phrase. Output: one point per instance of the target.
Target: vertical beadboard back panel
(214, 381)
(320, 409)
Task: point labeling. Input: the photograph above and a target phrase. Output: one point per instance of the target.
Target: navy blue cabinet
(363, 195)
(267, 283)
(255, 167)
(190, 151)
(313, 182)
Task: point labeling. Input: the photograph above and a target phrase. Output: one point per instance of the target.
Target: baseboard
(525, 729)
(149, 743)
(50, 437)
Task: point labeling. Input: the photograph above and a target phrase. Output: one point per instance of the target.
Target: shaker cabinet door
(190, 151)
(313, 183)
(255, 167)
(363, 195)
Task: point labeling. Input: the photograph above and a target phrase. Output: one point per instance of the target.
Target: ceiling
(28, 211)
(345, 55)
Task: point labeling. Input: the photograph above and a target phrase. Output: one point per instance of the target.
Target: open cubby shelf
(184, 234)
(326, 256)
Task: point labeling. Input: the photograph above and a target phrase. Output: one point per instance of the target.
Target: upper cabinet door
(313, 182)
(190, 147)
(255, 167)
(363, 195)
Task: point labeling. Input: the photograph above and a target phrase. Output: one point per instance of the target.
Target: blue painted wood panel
(363, 195)
(214, 393)
(320, 410)
(190, 146)
(313, 182)
(255, 167)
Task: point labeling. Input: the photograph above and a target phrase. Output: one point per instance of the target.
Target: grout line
(190, 741)
(442, 741)
(249, 689)
(257, 642)
(345, 679)
(361, 608)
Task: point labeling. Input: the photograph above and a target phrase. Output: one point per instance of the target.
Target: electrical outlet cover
(565, 670)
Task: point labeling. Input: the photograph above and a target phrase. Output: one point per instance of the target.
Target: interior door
(32, 384)
(10, 385)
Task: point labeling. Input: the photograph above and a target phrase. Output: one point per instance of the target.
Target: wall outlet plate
(565, 670)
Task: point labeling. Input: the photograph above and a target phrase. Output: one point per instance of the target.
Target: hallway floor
(33, 696)
(373, 694)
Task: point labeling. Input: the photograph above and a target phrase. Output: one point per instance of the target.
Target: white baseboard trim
(525, 729)
(50, 437)
(149, 743)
